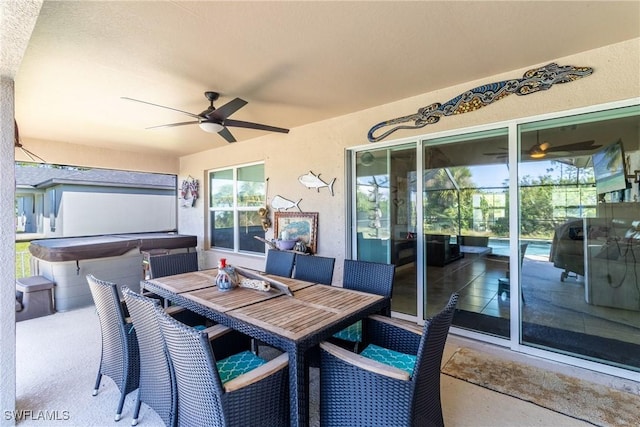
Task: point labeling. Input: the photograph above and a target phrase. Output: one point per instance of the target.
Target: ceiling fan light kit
(537, 154)
(211, 127)
(214, 120)
(540, 150)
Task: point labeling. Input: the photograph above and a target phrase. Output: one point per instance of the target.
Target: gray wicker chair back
(168, 265)
(353, 396)
(279, 263)
(157, 385)
(316, 269)
(120, 359)
(373, 277)
(202, 400)
(427, 406)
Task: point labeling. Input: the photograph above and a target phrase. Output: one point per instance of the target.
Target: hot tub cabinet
(116, 258)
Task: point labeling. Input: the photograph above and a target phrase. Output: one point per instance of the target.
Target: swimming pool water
(535, 247)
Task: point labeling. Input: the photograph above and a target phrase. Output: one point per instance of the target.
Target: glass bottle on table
(223, 280)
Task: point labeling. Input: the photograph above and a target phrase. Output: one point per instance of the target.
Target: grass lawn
(23, 266)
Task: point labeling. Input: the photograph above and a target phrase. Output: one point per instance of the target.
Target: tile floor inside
(548, 301)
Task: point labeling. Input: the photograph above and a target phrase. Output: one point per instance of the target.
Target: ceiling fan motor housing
(211, 96)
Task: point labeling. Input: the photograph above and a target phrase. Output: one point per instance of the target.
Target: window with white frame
(235, 196)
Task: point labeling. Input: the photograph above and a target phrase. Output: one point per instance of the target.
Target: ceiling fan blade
(227, 135)
(170, 125)
(162, 106)
(250, 125)
(227, 109)
(31, 155)
(559, 153)
(577, 146)
(504, 151)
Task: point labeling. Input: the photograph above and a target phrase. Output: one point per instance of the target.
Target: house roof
(43, 177)
(295, 62)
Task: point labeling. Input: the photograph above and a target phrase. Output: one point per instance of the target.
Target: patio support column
(7, 254)
(17, 20)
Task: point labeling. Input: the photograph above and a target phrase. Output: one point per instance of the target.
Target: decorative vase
(223, 279)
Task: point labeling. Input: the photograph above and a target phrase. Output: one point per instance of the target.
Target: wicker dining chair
(119, 358)
(240, 390)
(366, 276)
(177, 263)
(394, 381)
(157, 383)
(316, 269)
(169, 265)
(279, 263)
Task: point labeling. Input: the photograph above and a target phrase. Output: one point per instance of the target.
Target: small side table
(37, 297)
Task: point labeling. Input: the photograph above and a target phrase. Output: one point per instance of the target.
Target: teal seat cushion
(393, 358)
(238, 364)
(352, 333)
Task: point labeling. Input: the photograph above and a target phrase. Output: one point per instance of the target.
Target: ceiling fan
(216, 120)
(18, 144)
(540, 149)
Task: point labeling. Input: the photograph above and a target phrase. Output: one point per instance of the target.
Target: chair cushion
(352, 333)
(393, 358)
(238, 364)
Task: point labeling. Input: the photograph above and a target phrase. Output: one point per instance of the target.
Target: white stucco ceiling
(294, 62)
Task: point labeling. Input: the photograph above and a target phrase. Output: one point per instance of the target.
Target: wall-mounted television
(609, 168)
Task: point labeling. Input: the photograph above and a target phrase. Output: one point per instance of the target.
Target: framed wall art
(302, 226)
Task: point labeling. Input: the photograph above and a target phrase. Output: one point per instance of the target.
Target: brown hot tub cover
(78, 248)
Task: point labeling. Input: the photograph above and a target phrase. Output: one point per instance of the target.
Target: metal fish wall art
(532, 81)
(312, 180)
(278, 203)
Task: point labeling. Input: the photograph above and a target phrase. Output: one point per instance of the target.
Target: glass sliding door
(551, 230)
(466, 227)
(385, 217)
(580, 230)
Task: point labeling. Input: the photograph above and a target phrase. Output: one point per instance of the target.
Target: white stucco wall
(115, 212)
(320, 147)
(17, 20)
(7, 254)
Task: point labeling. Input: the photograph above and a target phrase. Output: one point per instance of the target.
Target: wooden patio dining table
(293, 324)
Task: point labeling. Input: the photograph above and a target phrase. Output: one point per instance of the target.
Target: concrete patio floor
(58, 357)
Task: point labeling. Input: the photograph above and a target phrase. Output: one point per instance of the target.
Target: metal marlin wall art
(532, 81)
(312, 180)
(279, 203)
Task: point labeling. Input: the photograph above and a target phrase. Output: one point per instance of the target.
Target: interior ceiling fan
(215, 120)
(540, 149)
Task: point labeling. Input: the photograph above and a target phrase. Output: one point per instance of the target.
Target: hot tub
(116, 258)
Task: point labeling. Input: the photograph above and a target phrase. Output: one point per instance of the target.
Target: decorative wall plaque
(532, 81)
